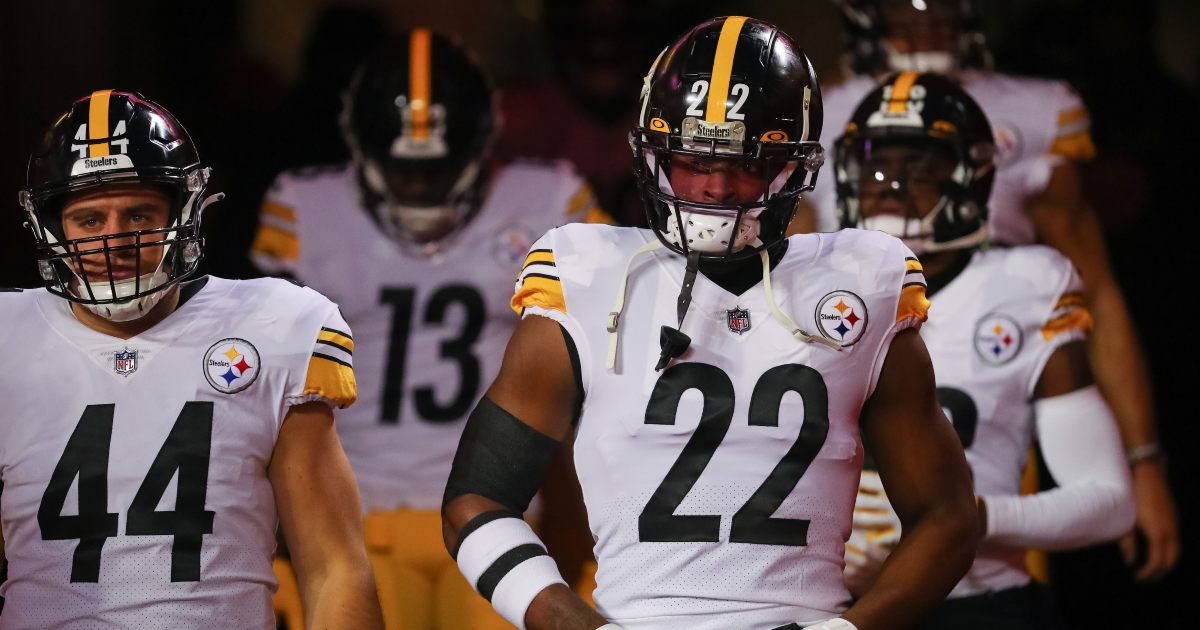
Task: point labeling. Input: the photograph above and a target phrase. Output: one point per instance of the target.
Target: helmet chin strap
(787, 322)
(132, 309)
(672, 341)
(917, 234)
(937, 61)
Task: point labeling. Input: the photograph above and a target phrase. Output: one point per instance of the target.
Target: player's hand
(1157, 521)
(873, 513)
(864, 561)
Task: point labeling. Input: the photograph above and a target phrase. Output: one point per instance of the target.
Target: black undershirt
(740, 276)
(944, 277)
(189, 289)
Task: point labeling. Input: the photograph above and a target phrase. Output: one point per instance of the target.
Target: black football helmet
(739, 90)
(932, 120)
(114, 137)
(866, 34)
(418, 118)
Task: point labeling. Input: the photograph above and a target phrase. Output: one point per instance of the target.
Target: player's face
(421, 182)
(902, 180)
(918, 26)
(111, 210)
(731, 181)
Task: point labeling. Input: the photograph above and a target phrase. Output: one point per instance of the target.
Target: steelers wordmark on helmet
(231, 365)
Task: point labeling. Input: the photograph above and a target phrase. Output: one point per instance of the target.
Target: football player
(1042, 135)
(716, 376)
(145, 490)
(1007, 338)
(416, 238)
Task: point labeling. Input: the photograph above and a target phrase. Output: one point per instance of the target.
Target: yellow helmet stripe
(718, 87)
(900, 89)
(419, 81)
(98, 123)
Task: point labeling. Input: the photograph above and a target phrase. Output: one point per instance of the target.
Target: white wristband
(506, 563)
(610, 626)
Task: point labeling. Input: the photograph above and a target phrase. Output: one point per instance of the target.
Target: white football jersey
(135, 489)
(719, 491)
(1036, 122)
(431, 331)
(990, 333)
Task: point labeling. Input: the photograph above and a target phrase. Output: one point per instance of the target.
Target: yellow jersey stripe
(596, 214)
(913, 303)
(718, 85)
(539, 291)
(1069, 116)
(98, 122)
(1069, 299)
(279, 210)
(276, 243)
(1077, 319)
(331, 379)
(912, 264)
(1075, 146)
(537, 256)
(419, 81)
(580, 199)
(336, 338)
(898, 103)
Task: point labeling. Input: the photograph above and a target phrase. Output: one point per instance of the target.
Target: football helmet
(114, 137)
(418, 118)
(737, 95)
(870, 37)
(917, 139)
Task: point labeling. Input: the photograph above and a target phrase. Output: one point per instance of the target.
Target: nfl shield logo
(125, 363)
(739, 320)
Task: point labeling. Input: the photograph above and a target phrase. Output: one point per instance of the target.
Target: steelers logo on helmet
(746, 109)
(231, 365)
(997, 339)
(841, 317)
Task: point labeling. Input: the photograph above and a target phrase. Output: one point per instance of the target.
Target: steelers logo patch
(842, 317)
(997, 339)
(510, 246)
(231, 365)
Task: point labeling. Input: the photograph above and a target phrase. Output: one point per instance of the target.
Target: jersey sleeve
(903, 271)
(1072, 133)
(538, 290)
(276, 248)
(912, 309)
(1064, 319)
(582, 205)
(330, 374)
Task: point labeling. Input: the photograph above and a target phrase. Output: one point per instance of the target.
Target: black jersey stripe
(318, 355)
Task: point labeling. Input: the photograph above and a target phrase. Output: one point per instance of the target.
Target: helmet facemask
(942, 36)
(443, 202)
(766, 186)
(914, 188)
(68, 267)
